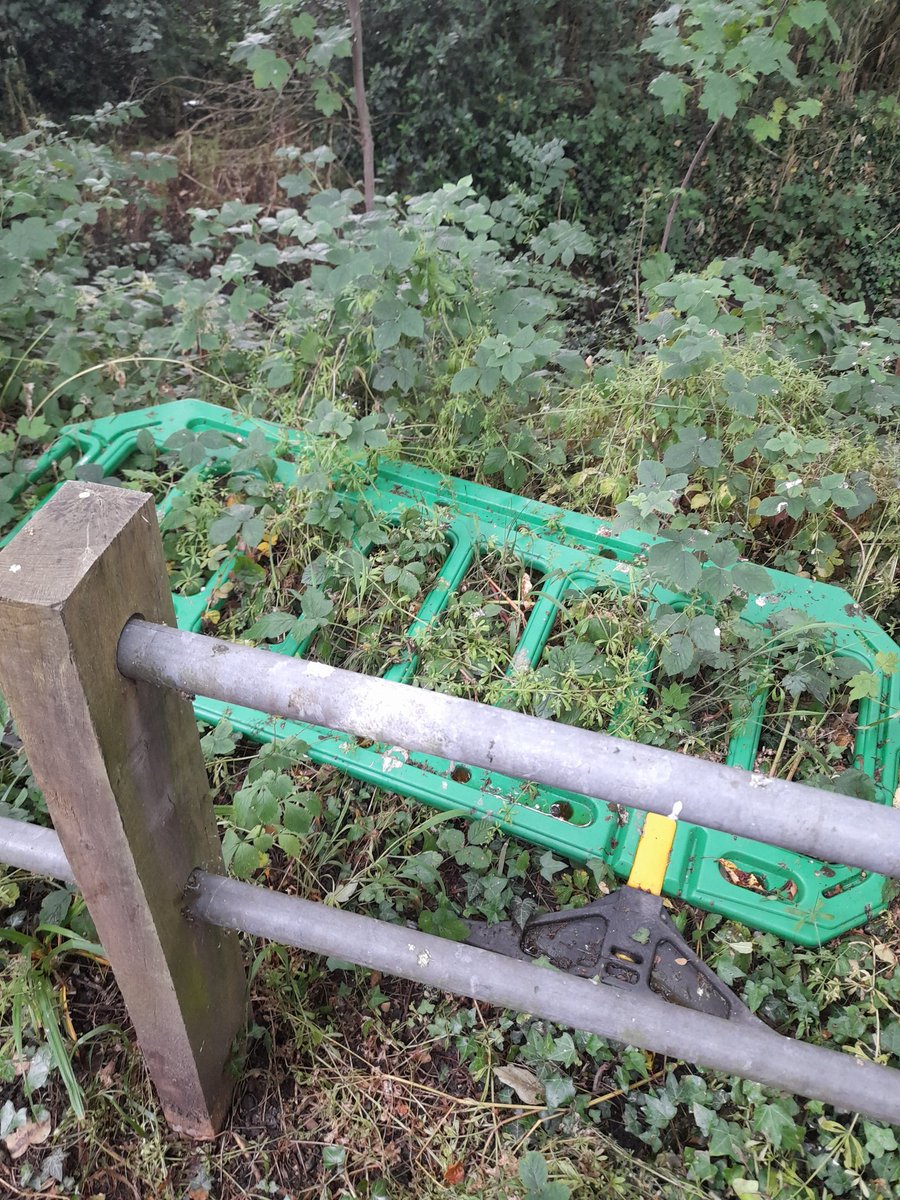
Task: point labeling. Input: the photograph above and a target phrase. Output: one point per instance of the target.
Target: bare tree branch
(362, 106)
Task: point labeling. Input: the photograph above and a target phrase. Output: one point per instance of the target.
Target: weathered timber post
(121, 768)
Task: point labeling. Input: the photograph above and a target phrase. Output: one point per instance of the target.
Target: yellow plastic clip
(652, 857)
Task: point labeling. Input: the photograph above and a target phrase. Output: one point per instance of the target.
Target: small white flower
(717, 631)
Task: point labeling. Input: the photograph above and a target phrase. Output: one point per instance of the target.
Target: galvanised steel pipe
(808, 820)
(33, 848)
(749, 1049)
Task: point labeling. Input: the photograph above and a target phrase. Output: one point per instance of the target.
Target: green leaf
(464, 380)
(246, 860)
(550, 866)
(558, 1091)
(280, 373)
(303, 26)
(55, 907)
(720, 96)
(678, 655)
(271, 626)
(269, 70)
(671, 91)
(533, 1171)
(334, 1156)
(443, 922)
(750, 578)
(325, 99)
(865, 686)
(705, 634)
(31, 238)
(223, 529)
(879, 1139)
(495, 460)
(810, 14)
(764, 129)
(890, 1038)
(32, 428)
(675, 566)
(775, 1124)
(315, 605)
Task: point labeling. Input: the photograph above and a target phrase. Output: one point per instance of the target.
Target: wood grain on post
(121, 769)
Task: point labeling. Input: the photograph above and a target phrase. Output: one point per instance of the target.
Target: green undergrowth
(357, 1083)
(749, 418)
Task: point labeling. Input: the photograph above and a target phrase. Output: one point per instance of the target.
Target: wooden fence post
(122, 772)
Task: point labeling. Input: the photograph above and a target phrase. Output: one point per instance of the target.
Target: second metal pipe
(827, 826)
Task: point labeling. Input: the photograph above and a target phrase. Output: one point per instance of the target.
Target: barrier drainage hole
(461, 774)
(562, 809)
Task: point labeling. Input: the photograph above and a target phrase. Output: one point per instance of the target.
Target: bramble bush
(748, 417)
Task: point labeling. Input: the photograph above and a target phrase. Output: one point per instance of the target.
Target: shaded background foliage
(460, 87)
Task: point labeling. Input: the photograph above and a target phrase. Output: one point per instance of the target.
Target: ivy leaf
(720, 96)
(776, 1124)
(550, 866)
(671, 91)
(558, 1090)
(879, 1139)
(443, 922)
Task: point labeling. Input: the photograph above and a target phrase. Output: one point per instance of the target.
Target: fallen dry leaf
(454, 1174)
(33, 1133)
(522, 1081)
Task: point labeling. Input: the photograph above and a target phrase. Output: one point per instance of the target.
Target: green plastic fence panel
(805, 901)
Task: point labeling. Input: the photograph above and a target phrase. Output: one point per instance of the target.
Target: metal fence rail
(100, 701)
(751, 1050)
(829, 826)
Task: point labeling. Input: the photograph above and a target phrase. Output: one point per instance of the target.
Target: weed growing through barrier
(469, 650)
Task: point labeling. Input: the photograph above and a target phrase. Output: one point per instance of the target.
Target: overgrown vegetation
(735, 389)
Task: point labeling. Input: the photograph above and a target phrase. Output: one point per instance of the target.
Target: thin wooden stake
(122, 772)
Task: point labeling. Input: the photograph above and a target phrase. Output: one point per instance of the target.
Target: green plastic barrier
(805, 901)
